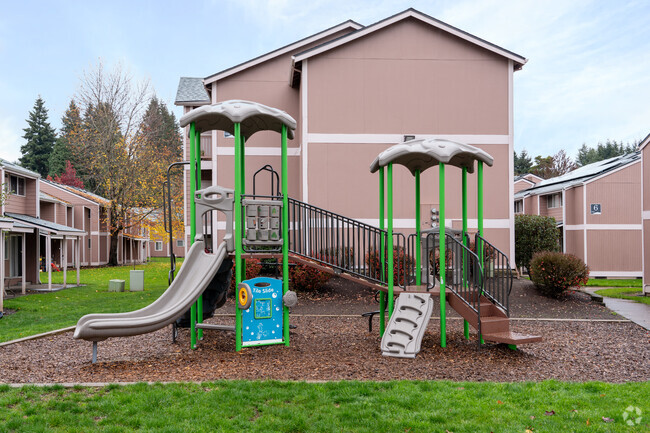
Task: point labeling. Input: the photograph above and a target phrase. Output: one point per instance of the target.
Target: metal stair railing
(497, 282)
(343, 243)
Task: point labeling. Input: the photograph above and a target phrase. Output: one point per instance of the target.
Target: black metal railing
(497, 281)
(345, 244)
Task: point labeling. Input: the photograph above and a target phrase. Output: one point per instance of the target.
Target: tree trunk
(112, 256)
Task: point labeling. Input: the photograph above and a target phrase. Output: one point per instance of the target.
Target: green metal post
(285, 234)
(192, 223)
(389, 241)
(465, 322)
(242, 185)
(479, 246)
(443, 265)
(197, 155)
(382, 295)
(238, 233)
(418, 254)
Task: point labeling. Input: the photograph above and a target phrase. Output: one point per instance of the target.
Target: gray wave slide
(194, 276)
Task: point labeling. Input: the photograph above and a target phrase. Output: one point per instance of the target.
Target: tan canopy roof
(252, 116)
(421, 154)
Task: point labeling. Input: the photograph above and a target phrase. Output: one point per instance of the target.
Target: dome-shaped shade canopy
(252, 116)
(421, 154)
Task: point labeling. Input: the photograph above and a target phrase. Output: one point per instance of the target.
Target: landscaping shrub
(306, 278)
(253, 268)
(343, 257)
(402, 264)
(553, 273)
(534, 233)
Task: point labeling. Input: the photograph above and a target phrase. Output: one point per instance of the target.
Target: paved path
(634, 311)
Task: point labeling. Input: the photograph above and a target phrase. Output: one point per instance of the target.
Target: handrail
(498, 276)
(343, 243)
(168, 219)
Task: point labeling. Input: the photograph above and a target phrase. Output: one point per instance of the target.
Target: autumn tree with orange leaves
(121, 156)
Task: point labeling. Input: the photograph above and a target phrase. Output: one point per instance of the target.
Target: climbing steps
(494, 324)
(407, 324)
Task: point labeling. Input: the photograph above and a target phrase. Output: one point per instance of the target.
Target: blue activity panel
(262, 321)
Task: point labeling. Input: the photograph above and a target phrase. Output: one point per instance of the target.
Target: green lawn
(399, 406)
(44, 312)
(599, 282)
(625, 293)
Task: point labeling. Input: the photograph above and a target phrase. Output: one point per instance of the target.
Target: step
(494, 325)
(511, 338)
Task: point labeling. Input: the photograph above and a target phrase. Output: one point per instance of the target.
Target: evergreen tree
(523, 163)
(69, 142)
(161, 130)
(40, 138)
(610, 149)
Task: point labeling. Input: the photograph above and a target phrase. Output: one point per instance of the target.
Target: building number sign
(595, 209)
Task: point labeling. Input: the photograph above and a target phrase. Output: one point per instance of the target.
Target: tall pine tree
(40, 138)
(69, 142)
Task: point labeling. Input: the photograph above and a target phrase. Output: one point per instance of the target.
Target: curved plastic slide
(194, 276)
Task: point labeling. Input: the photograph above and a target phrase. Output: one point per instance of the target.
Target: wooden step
(494, 325)
(511, 338)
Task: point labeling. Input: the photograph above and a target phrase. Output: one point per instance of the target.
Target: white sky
(587, 78)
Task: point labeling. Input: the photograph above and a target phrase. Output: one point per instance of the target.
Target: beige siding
(645, 158)
(26, 204)
(521, 185)
(408, 78)
(646, 249)
(48, 211)
(575, 243)
(614, 250)
(544, 210)
(619, 194)
(574, 206)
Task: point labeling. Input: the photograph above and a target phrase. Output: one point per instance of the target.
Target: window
(519, 206)
(553, 201)
(158, 246)
(17, 185)
(180, 243)
(88, 243)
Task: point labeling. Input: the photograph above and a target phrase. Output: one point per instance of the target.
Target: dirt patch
(339, 348)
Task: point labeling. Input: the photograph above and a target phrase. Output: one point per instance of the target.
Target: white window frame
(554, 201)
(158, 246)
(519, 206)
(180, 243)
(17, 189)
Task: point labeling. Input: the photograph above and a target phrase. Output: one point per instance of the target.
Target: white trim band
(399, 138)
(604, 227)
(620, 274)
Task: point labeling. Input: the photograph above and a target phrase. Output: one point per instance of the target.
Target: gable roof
(80, 192)
(191, 90)
(15, 168)
(349, 24)
(57, 229)
(580, 175)
(518, 60)
(644, 142)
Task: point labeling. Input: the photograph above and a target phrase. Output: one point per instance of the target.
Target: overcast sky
(587, 78)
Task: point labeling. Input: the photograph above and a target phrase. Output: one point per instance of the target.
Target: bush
(534, 233)
(253, 268)
(307, 278)
(553, 273)
(402, 264)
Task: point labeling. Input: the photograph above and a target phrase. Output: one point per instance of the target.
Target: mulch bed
(340, 348)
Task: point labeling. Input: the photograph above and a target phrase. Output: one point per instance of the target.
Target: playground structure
(278, 226)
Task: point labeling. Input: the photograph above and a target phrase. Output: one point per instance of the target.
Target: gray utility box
(263, 222)
(136, 281)
(116, 286)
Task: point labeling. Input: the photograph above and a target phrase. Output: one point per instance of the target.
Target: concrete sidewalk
(634, 311)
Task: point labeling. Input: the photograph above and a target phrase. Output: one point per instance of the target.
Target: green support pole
(418, 254)
(465, 322)
(285, 234)
(389, 241)
(382, 295)
(197, 155)
(479, 248)
(443, 265)
(238, 234)
(242, 185)
(192, 224)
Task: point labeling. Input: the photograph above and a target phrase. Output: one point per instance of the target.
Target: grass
(600, 282)
(399, 406)
(44, 312)
(625, 293)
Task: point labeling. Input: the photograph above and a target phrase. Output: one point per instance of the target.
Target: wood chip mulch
(341, 348)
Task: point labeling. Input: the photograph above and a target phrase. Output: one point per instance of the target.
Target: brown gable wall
(619, 194)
